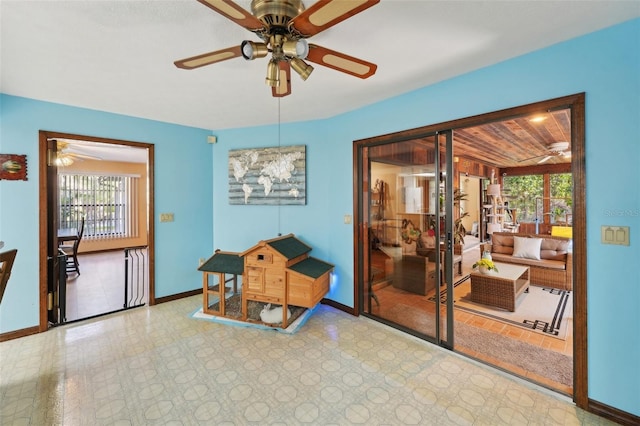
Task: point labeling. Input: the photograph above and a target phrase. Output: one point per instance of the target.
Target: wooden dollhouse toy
(277, 271)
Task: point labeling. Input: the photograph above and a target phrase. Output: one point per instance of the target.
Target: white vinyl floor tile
(157, 366)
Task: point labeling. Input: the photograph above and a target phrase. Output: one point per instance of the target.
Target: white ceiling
(117, 56)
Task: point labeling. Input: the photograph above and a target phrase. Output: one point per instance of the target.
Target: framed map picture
(268, 176)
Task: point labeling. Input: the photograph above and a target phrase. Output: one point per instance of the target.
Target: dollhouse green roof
(226, 262)
(312, 267)
(289, 246)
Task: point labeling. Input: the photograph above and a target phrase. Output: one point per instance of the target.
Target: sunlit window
(107, 203)
(521, 193)
(526, 194)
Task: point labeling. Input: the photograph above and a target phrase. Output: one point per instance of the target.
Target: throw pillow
(427, 240)
(527, 248)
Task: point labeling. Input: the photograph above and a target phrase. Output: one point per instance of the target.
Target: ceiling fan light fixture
(273, 74)
(301, 67)
(251, 50)
(296, 48)
(64, 161)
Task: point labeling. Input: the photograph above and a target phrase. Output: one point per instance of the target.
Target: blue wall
(605, 65)
(183, 185)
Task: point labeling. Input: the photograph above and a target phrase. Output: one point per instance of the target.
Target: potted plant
(558, 212)
(459, 231)
(410, 235)
(485, 266)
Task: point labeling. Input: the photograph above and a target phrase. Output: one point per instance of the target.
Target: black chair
(6, 263)
(71, 251)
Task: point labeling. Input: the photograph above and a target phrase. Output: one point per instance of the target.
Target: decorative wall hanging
(13, 167)
(268, 176)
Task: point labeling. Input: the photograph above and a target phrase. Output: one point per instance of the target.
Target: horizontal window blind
(108, 204)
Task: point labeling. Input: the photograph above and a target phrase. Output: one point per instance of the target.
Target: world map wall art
(268, 176)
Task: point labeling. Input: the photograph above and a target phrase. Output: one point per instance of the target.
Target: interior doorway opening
(97, 204)
(470, 206)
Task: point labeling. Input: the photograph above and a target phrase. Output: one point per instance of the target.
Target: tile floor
(156, 365)
(100, 286)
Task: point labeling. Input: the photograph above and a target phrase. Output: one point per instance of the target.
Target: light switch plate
(166, 217)
(618, 235)
(347, 219)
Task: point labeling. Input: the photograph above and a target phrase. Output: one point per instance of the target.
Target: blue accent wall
(605, 65)
(183, 186)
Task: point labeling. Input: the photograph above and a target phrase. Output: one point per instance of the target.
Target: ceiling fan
(64, 157)
(283, 26)
(556, 149)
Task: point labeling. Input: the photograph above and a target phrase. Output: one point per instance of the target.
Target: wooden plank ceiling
(518, 142)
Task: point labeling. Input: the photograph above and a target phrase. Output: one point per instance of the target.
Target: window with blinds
(108, 204)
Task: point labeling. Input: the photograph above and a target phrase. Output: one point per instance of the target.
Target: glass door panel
(365, 235)
(402, 232)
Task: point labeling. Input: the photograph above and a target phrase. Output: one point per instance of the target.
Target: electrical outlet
(166, 217)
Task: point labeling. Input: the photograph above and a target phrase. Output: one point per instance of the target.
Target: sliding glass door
(405, 243)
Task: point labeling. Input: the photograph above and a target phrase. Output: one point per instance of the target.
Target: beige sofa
(554, 267)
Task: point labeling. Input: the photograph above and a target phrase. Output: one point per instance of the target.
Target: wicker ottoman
(500, 289)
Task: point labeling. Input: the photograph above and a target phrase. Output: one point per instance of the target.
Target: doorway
(574, 105)
(103, 187)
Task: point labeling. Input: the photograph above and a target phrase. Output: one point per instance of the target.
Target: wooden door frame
(576, 104)
(45, 211)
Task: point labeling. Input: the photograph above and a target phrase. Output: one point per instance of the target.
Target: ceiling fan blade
(327, 13)
(341, 62)
(284, 80)
(235, 13)
(209, 58)
(546, 158)
(83, 156)
(531, 158)
(64, 159)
